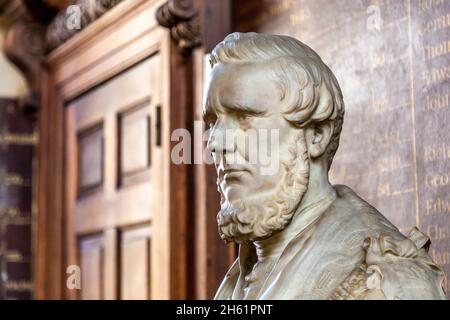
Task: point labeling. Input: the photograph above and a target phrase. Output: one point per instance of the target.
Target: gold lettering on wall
(434, 51)
(18, 221)
(436, 75)
(441, 258)
(9, 212)
(440, 101)
(436, 24)
(379, 58)
(388, 139)
(439, 152)
(437, 206)
(384, 190)
(18, 138)
(13, 179)
(437, 180)
(391, 162)
(438, 232)
(426, 5)
(19, 285)
(14, 256)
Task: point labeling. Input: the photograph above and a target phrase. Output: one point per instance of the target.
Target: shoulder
(394, 266)
(352, 217)
(226, 288)
(403, 269)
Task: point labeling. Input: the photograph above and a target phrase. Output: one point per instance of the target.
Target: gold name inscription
(388, 139)
(436, 75)
(437, 24)
(433, 51)
(441, 258)
(391, 163)
(18, 138)
(437, 102)
(19, 285)
(379, 58)
(437, 152)
(13, 179)
(14, 256)
(9, 212)
(425, 5)
(437, 206)
(438, 180)
(438, 232)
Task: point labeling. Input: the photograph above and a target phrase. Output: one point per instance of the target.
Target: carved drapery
(180, 17)
(89, 10)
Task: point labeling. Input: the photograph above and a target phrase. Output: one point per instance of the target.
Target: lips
(232, 173)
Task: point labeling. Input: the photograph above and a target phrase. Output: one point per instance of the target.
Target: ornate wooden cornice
(180, 17)
(24, 46)
(90, 10)
(24, 42)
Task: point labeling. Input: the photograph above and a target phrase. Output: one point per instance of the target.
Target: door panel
(115, 126)
(135, 127)
(135, 263)
(88, 185)
(91, 258)
(90, 157)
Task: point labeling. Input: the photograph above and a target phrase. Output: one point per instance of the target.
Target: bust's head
(276, 89)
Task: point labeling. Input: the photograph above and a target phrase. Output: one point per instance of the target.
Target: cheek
(263, 182)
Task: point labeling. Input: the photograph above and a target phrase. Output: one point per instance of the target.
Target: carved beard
(247, 220)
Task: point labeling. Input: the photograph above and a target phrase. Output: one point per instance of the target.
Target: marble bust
(299, 236)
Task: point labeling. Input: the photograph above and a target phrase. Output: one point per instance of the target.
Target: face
(257, 197)
(248, 133)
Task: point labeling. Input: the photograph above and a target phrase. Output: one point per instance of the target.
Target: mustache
(224, 168)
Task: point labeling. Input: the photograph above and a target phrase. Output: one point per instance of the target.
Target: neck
(319, 195)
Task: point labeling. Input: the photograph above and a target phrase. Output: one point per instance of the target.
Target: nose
(221, 138)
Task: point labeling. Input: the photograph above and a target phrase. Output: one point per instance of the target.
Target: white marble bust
(300, 237)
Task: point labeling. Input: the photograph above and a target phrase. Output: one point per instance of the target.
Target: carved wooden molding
(87, 11)
(24, 46)
(180, 17)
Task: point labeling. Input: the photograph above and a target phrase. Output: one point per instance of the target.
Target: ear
(318, 137)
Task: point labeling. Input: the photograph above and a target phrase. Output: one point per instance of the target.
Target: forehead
(247, 84)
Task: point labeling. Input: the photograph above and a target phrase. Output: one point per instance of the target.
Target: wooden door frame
(70, 70)
(213, 257)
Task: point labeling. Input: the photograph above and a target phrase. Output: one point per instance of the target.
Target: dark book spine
(17, 142)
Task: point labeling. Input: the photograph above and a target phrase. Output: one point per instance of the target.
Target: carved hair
(309, 88)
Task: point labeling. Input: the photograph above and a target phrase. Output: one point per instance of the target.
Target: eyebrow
(209, 111)
(245, 108)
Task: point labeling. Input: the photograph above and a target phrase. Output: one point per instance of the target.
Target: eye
(210, 121)
(242, 116)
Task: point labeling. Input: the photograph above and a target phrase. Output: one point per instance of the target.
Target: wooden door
(106, 203)
(114, 130)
